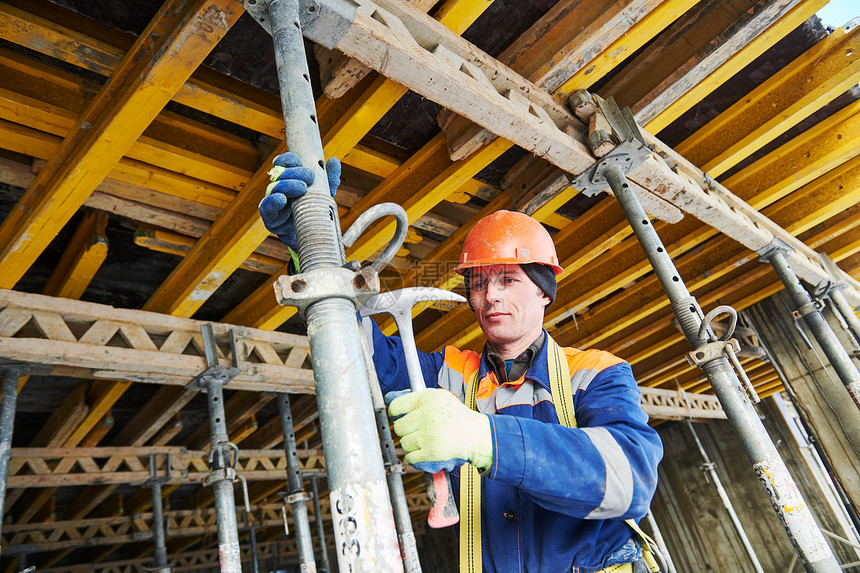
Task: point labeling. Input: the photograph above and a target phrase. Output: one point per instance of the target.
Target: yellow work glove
(440, 432)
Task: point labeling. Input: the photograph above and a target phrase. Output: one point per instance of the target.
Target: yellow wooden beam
(225, 245)
(818, 201)
(805, 85)
(814, 152)
(174, 44)
(83, 256)
(788, 22)
(458, 15)
(636, 36)
(101, 396)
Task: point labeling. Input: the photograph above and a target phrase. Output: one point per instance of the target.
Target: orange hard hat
(508, 237)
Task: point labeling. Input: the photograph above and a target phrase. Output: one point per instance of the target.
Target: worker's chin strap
(470, 479)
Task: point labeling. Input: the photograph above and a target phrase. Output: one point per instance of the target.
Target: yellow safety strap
(470, 479)
(470, 501)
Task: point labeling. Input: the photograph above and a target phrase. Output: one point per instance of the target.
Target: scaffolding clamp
(299, 496)
(394, 469)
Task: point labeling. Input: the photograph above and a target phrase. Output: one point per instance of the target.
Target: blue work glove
(439, 432)
(291, 180)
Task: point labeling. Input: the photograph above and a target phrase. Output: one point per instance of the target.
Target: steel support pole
(11, 375)
(296, 496)
(661, 543)
(159, 559)
(710, 470)
(827, 339)
(324, 567)
(393, 467)
(361, 511)
(791, 509)
(221, 479)
(846, 311)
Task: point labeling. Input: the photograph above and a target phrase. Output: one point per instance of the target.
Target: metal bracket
(711, 351)
(304, 289)
(324, 23)
(214, 372)
(394, 469)
(220, 475)
(627, 156)
(808, 308)
(153, 479)
(299, 496)
(776, 245)
(165, 569)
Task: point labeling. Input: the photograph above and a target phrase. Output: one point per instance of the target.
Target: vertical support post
(221, 479)
(361, 511)
(805, 307)
(296, 495)
(845, 310)
(325, 567)
(791, 509)
(393, 467)
(710, 470)
(253, 529)
(661, 543)
(159, 560)
(10, 375)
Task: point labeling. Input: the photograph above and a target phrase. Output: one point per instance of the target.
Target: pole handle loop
(371, 215)
(705, 327)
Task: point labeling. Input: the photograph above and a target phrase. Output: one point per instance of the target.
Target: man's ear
(546, 300)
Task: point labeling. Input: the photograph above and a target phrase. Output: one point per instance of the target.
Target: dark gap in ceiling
(794, 44)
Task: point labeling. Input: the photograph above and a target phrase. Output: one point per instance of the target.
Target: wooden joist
(206, 559)
(92, 340)
(57, 467)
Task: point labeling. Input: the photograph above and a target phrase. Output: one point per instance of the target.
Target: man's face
(508, 305)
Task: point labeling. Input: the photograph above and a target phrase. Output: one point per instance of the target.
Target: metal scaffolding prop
(716, 357)
(324, 564)
(810, 311)
(296, 495)
(223, 465)
(711, 475)
(159, 557)
(393, 467)
(10, 375)
(328, 293)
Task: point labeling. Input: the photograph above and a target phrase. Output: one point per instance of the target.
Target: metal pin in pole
(814, 320)
(296, 496)
(361, 510)
(10, 373)
(325, 567)
(793, 512)
(710, 470)
(223, 473)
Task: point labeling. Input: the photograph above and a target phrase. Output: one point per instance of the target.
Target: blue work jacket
(555, 498)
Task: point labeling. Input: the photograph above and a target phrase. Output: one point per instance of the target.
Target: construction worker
(556, 494)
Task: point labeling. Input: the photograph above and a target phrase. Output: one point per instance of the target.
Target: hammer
(399, 305)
